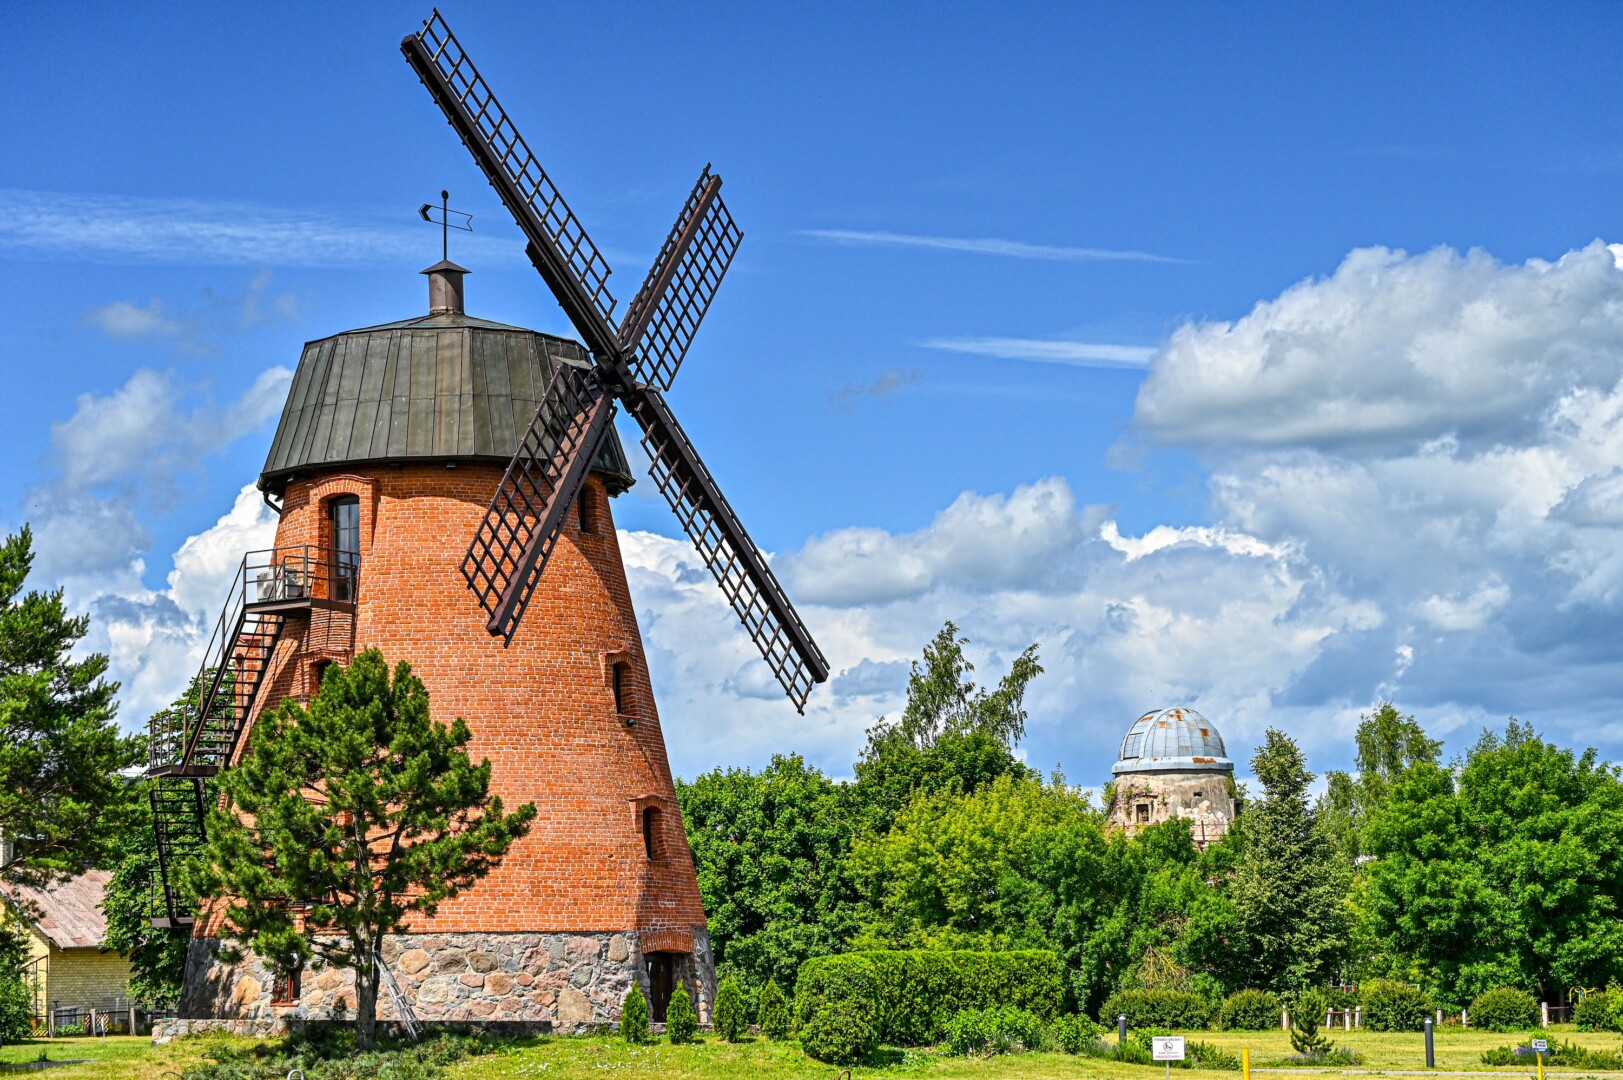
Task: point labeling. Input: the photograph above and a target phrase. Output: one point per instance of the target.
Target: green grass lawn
(569, 1058)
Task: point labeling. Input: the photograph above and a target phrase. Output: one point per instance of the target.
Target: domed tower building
(1173, 764)
(390, 446)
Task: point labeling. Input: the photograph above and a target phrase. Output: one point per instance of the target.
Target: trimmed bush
(1178, 1010)
(730, 1018)
(1393, 1006)
(839, 1033)
(1504, 1009)
(1249, 1010)
(1074, 1033)
(772, 1013)
(681, 1022)
(1596, 1012)
(634, 1016)
(1561, 1054)
(993, 1031)
(916, 993)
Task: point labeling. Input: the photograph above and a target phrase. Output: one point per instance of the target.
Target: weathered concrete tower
(390, 446)
(1173, 765)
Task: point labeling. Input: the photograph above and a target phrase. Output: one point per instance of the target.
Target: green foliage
(1075, 1033)
(681, 1022)
(942, 700)
(1393, 1006)
(916, 993)
(1561, 1054)
(1205, 1055)
(63, 801)
(999, 1030)
(17, 996)
(730, 1020)
(1306, 1017)
(1175, 1010)
(1289, 889)
(839, 1032)
(1504, 1008)
(332, 1054)
(848, 979)
(1595, 1011)
(1505, 871)
(363, 806)
(772, 1012)
(634, 1016)
(1249, 1010)
(1389, 744)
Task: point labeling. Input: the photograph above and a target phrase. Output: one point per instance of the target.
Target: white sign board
(1541, 1046)
(1167, 1047)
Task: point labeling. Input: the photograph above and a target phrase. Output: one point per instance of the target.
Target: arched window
(344, 518)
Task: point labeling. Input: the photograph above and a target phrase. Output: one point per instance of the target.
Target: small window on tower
(1142, 812)
(318, 671)
(650, 831)
(618, 675)
(583, 511)
(286, 988)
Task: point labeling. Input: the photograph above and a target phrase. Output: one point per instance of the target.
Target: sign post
(1540, 1048)
(1168, 1048)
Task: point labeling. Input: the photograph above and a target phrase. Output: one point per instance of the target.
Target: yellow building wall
(38, 947)
(86, 978)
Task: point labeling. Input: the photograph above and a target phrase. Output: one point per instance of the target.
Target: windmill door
(661, 968)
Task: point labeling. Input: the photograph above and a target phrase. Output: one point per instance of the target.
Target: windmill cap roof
(1172, 740)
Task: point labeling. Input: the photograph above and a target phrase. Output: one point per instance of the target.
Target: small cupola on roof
(1172, 740)
(445, 288)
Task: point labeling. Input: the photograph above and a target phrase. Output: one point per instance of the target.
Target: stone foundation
(570, 982)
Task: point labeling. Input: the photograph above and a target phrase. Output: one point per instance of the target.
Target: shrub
(1561, 1054)
(839, 1032)
(634, 1016)
(1306, 1039)
(1595, 1011)
(772, 1013)
(1504, 1009)
(1393, 1006)
(730, 1018)
(681, 1022)
(1175, 1009)
(16, 1007)
(1249, 1010)
(1204, 1055)
(1073, 1033)
(916, 993)
(993, 1031)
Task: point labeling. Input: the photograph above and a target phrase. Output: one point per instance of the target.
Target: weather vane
(426, 212)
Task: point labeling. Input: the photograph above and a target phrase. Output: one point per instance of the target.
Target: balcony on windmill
(445, 288)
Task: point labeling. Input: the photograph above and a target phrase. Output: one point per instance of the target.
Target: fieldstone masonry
(566, 983)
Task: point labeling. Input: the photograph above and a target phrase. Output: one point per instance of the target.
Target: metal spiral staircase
(188, 746)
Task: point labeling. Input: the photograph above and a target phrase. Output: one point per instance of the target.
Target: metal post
(1540, 1055)
(1121, 1030)
(1245, 1062)
(1431, 1046)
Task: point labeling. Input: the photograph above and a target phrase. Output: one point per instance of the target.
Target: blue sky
(1147, 332)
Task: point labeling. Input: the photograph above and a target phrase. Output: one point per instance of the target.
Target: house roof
(68, 914)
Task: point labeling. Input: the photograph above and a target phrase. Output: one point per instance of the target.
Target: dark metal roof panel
(442, 387)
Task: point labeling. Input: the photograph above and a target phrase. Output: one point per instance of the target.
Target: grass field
(580, 1058)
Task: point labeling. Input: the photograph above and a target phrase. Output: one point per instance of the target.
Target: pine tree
(681, 1022)
(63, 802)
(634, 1016)
(1306, 1039)
(362, 807)
(773, 1012)
(730, 1017)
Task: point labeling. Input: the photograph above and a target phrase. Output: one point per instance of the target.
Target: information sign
(1167, 1047)
(1541, 1046)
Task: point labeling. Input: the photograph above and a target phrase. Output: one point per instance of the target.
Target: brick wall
(541, 710)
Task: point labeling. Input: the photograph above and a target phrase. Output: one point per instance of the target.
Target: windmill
(635, 360)
(407, 521)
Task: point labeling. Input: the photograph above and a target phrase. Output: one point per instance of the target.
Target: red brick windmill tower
(395, 447)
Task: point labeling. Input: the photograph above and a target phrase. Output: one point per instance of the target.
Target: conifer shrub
(730, 1017)
(773, 1012)
(1595, 1011)
(1177, 1010)
(1249, 1010)
(839, 1032)
(634, 1016)
(681, 1022)
(1306, 1038)
(1504, 1008)
(1393, 1006)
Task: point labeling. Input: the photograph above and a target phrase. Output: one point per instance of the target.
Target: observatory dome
(1172, 740)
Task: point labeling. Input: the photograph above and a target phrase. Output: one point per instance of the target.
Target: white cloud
(126, 228)
(129, 320)
(1047, 351)
(1009, 249)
